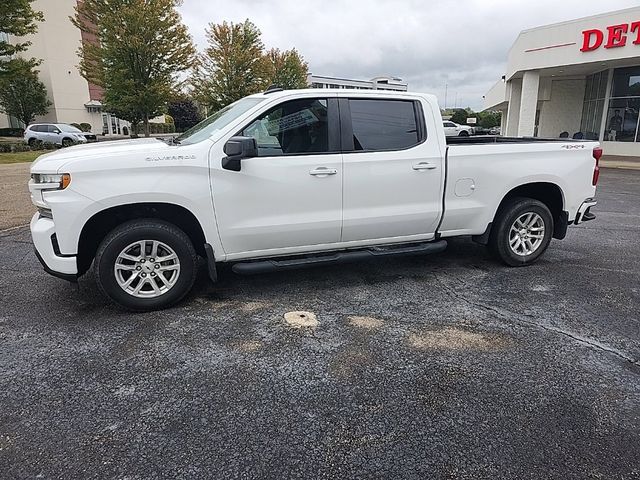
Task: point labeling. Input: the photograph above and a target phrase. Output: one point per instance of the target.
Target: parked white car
(452, 129)
(57, 133)
(287, 179)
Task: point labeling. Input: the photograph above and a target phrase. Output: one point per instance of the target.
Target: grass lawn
(19, 157)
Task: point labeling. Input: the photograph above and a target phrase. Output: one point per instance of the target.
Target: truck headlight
(51, 181)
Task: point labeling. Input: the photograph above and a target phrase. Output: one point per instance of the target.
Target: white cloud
(461, 43)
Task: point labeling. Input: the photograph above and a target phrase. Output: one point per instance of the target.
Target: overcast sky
(461, 43)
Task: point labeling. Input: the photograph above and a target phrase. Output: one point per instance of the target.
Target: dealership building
(579, 78)
(73, 99)
(393, 84)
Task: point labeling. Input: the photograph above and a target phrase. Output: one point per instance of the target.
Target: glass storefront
(622, 114)
(594, 98)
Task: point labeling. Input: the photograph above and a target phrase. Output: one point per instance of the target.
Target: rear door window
(383, 124)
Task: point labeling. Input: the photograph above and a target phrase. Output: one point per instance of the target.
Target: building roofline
(567, 22)
(388, 77)
(338, 78)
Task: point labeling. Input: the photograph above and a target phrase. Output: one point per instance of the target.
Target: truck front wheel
(521, 232)
(146, 265)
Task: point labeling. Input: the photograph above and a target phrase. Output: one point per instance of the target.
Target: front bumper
(43, 234)
(584, 212)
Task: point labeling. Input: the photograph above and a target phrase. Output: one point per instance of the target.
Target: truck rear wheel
(521, 232)
(145, 265)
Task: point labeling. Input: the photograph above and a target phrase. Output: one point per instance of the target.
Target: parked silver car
(57, 133)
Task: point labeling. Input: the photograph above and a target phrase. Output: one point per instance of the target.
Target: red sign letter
(635, 26)
(587, 46)
(617, 36)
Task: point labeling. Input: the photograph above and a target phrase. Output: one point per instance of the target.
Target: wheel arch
(102, 222)
(549, 193)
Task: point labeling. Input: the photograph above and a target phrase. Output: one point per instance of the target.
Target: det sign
(472, 121)
(616, 36)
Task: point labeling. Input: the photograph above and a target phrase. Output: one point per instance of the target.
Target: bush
(21, 147)
(157, 128)
(40, 145)
(17, 147)
(168, 118)
(154, 128)
(77, 125)
(11, 132)
(85, 127)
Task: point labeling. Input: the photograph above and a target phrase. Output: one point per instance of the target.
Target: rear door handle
(322, 171)
(424, 166)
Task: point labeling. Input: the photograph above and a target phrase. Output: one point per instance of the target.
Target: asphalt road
(449, 366)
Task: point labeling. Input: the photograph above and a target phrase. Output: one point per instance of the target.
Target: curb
(621, 165)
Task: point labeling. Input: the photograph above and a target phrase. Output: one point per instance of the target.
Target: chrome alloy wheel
(147, 269)
(526, 234)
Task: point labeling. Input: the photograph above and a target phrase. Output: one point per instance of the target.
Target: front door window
(292, 128)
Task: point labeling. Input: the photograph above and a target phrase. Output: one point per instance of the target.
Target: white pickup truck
(284, 179)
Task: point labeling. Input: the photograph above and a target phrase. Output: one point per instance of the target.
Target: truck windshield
(217, 121)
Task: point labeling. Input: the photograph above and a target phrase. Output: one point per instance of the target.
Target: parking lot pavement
(448, 366)
(15, 203)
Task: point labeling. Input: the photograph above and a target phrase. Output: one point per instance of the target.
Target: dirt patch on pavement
(251, 307)
(15, 202)
(451, 338)
(367, 323)
(248, 346)
(301, 319)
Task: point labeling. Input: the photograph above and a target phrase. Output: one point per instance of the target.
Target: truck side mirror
(236, 149)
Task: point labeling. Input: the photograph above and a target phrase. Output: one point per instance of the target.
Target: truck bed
(484, 139)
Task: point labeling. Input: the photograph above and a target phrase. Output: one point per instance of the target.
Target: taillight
(597, 153)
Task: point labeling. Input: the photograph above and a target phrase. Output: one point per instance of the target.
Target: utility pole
(445, 96)
(455, 103)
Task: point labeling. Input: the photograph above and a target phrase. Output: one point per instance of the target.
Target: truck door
(393, 170)
(290, 196)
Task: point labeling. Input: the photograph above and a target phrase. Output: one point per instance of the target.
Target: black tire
(67, 142)
(499, 240)
(145, 229)
(32, 142)
(464, 133)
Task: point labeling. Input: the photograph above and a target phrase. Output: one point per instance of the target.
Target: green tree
(460, 116)
(185, 113)
(286, 69)
(489, 119)
(232, 66)
(140, 46)
(123, 104)
(17, 19)
(22, 95)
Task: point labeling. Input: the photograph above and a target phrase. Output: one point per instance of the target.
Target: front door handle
(424, 166)
(323, 171)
